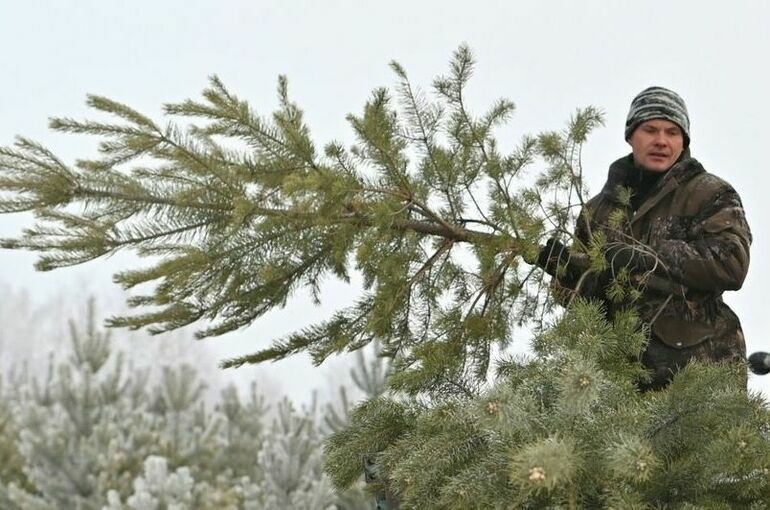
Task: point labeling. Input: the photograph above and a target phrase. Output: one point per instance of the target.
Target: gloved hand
(552, 255)
(636, 259)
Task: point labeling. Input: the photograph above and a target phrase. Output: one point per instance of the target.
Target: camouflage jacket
(695, 224)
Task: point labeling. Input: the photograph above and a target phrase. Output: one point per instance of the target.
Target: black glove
(552, 255)
(635, 259)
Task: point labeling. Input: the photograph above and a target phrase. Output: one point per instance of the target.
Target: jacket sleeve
(715, 256)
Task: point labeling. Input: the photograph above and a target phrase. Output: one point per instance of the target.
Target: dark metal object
(384, 499)
(759, 363)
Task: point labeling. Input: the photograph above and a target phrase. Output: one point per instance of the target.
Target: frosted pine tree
(11, 459)
(74, 425)
(290, 460)
(238, 211)
(156, 488)
(84, 429)
(97, 433)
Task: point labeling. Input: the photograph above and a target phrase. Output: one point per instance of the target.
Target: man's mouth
(658, 155)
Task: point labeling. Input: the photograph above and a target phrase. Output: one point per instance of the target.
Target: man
(672, 229)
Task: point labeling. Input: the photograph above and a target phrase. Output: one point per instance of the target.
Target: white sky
(549, 57)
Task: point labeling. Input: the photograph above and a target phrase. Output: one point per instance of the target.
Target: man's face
(657, 144)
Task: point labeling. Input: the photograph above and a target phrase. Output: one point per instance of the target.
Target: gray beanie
(658, 103)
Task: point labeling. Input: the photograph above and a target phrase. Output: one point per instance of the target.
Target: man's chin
(657, 166)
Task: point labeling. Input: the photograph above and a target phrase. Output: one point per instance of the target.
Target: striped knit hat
(658, 103)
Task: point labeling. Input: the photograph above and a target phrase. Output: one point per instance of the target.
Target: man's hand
(636, 259)
(552, 255)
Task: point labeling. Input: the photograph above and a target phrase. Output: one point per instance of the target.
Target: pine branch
(242, 212)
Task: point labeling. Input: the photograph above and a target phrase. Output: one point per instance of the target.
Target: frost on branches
(97, 434)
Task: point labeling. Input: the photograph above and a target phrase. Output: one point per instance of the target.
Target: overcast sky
(549, 57)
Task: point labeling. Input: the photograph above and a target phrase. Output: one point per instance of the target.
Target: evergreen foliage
(12, 465)
(99, 434)
(239, 211)
(568, 428)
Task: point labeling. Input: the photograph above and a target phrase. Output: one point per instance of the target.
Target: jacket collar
(685, 168)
